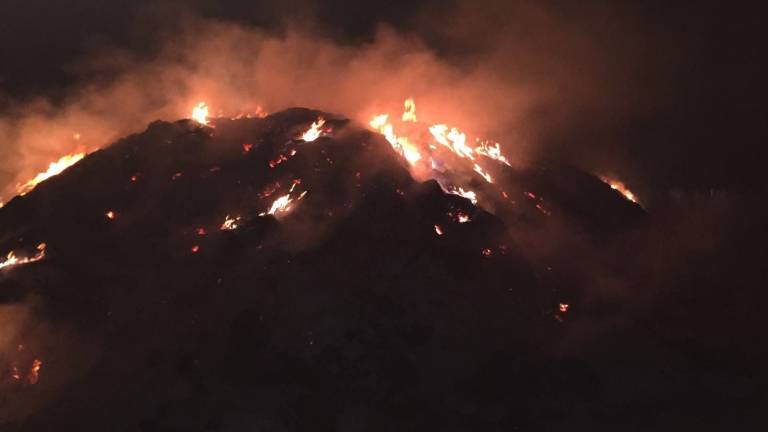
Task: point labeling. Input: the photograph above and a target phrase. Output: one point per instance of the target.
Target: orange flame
(410, 111)
(55, 168)
(200, 113)
(620, 188)
(12, 260)
(314, 131)
(34, 372)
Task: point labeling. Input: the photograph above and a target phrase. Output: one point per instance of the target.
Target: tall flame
(200, 113)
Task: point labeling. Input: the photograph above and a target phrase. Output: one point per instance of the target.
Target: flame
(12, 260)
(491, 151)
(401, 144)
(200, 113)
(454, 140)
(281, 204)
(230, 223)
(55, 168)
(468, 194)
(620, 188)
(413, 147)
(409, 115)
(34, 372)
(462, 218)
(438, 230)
(314, 131)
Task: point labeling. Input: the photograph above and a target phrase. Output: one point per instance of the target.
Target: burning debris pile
(292, 268)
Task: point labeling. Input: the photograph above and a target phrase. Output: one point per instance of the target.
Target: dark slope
(346, 312)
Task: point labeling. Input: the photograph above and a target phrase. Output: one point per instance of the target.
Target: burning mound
(289, 273)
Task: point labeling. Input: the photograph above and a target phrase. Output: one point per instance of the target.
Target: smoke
(518, 80)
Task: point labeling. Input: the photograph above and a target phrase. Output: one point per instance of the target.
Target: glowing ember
(195, 249)
(110, 215)
(34, 372)
(314, 131)
(15, 374)
(410, 111)
(462, 218)
(620, 188)
(55, 168)
(12, 260)
(201, 231)
(438, 230)
(563, 307)
(200, 113)
(230, 223)
(281, 158)
(247, 148)
(176, 175)
(487, 252)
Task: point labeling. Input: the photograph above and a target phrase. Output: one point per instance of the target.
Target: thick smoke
(528, 77)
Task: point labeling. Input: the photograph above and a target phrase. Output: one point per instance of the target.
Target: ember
(229, 223)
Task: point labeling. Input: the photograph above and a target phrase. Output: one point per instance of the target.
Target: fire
(34, 372)
(468, 194)
(230, 223)
(438, 230)
(462, 218)
(414, 147)
(454, 140)
(55, 168)
(410, 111)
(200, 113)
(620, 188)
(12, 260)
(283, 203)
(314, 131)
(491, 151)
(401, 144)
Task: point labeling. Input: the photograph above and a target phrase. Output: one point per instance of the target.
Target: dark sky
(704, 65)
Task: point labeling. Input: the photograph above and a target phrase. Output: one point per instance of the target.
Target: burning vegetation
(285, 252)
